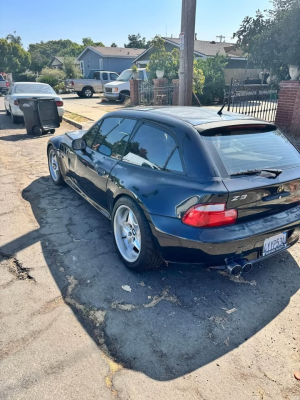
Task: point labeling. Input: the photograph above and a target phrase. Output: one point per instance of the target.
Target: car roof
(198, 116)
(30, 83)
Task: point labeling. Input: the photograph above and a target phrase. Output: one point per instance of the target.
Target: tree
(113, 45)
(13, 38)
(13, 58)
(213, 71)
(89, 42)
(271, 39)
(71, 69)
(136, 42)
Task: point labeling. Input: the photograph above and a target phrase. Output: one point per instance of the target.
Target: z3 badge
(242, 197)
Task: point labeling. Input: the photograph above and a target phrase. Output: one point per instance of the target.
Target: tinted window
(242, 151)
(105, 76)
(113, 77)
(91, 134)
(113, 135)
(153, 148)
(34, 88)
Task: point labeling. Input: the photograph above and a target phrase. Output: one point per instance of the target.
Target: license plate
(274, 243)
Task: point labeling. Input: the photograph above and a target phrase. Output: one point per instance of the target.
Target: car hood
(76, 134)
(39, 95)
(115, 83)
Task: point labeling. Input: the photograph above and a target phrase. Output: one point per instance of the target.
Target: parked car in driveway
(3, 85)
(20, 90)
(183, 184)
(87, 87)
(120, 89)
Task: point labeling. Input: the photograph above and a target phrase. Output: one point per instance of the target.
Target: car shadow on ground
(176, 319)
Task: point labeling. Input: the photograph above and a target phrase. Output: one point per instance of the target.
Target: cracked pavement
(69, 331)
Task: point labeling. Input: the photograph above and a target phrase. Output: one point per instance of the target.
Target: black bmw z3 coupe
(186, 185)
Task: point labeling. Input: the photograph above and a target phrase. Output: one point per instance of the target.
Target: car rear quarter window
(105, 76)
(241, 151)
(153, 148)
(113, 136)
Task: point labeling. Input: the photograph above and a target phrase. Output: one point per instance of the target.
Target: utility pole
(187, 37)
(221, 37)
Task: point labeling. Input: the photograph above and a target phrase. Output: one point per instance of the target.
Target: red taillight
(209, 215)
(59, 103)
(16, 102)
(72, 83)
(7, 84)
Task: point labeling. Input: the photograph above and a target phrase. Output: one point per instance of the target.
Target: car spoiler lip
(224, 124)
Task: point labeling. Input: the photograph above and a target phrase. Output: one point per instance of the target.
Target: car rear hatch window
(261, 169)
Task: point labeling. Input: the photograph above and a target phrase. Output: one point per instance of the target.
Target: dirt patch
(16, 268)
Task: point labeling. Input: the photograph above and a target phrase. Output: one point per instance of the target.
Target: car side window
(113, 136)
(153, 148)
(113, 77)
(105, 76)
(89, 137)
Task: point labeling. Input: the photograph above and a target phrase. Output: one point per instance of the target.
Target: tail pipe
(236, 267)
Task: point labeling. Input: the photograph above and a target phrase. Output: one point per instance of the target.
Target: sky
(111, 21)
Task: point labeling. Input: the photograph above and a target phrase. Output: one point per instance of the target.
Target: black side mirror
(78, 144)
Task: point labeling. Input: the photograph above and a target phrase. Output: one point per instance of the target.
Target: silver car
(29, 89)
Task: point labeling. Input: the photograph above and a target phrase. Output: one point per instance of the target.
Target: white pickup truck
(87, 87)
(120, 89)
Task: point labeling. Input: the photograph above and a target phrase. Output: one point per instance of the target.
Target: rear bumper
(212, 246)
(18, 113)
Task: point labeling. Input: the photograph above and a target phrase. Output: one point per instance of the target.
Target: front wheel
(133, 236)
(14, 119)
(54, 169)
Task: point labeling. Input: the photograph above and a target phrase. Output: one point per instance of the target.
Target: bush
(213, 70)
(163, 60)
(60, 87)
(26, 77)
(51, 76)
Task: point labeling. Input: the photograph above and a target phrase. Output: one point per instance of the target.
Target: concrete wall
(91, 61)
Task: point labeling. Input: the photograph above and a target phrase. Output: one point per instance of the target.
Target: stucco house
(58, 62)
(237, 67)
(107, 58)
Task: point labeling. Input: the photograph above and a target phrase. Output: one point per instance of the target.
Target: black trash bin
(40, 115)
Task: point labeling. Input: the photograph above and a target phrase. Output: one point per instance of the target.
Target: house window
(101, 63)
(82, 67)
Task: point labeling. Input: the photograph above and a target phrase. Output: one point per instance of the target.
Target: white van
(120, 88)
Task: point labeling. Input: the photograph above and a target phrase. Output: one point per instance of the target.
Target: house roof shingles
(117, 51)
(211, 49)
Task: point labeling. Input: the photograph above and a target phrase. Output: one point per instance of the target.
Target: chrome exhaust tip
(246, 265)
(233, 268)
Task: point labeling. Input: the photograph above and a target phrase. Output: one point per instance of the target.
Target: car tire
(52, 131)
(79, 94)
(87, 93)
(54, 169)
(6, 111)
(13, 118)
(131, 227)
(122, 97)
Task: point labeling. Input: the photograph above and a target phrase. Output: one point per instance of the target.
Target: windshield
(34, 88)
(241, 151)
(125, 75)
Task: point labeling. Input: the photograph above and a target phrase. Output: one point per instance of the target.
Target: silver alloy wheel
(127, 233)
(88, 93)
(53, 165)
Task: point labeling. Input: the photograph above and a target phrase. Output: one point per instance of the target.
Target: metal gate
(155, 95)
(259, 101)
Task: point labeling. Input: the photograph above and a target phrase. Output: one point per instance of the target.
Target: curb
(74, 123)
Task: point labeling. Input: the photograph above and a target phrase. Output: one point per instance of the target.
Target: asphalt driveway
(69, 330)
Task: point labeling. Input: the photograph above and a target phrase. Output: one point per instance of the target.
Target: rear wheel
(14, 119)
(54, 169)
(133, 237)
(87, 92)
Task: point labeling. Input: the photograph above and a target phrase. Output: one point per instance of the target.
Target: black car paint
(165, 197)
